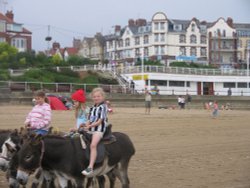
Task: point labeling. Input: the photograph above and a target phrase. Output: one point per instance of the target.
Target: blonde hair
(79, 108)
(100, 90)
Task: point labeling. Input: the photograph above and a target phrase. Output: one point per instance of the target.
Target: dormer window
(193, 27)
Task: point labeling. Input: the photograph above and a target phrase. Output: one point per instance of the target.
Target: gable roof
(10, 21)
(5, 18)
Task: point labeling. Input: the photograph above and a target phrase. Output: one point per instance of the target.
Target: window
(162, 25)
(127, 42)
(145, 39)
(121, 43)
(182, 50)
(242, 85)
(137, 40)
(239, 43)
(203, 39)
(203, 28)
(2, 26)
(146, 51)
(224, 33)
(156, 50)
(203, 51)
(110, 44)
(218, 32)
(158, 82)
(162, 37)
(182, 38)
(156, 37)
(193, 51)
(193, 39)
(162, 50)
(229, 84)
(193, 27)
(177, 83)
(178, 27)
(156, 26)
(137, 52)
(188, 84)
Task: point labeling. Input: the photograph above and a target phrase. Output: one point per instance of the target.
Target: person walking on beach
(189, 100)
(215, 110)
(148, 99)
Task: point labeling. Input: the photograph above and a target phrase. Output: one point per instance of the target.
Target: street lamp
(248, 56)
(142, 65)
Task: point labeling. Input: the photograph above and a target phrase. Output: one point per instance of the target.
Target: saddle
(108, 138)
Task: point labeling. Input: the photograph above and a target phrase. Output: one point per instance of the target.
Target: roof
(70, 50)
(239, 26)
(5, 18)
(10, 21)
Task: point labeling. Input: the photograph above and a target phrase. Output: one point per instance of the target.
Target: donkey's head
(9, 147)
(29, 158)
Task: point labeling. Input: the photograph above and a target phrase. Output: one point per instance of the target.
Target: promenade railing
(149, 69)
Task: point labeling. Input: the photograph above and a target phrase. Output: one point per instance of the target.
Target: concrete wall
(128, 100)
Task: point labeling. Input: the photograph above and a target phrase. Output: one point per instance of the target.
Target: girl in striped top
(39, 117)
(96, 125)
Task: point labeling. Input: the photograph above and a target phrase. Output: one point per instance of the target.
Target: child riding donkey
(39, 118)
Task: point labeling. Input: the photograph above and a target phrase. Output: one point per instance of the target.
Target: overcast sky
(79, 18)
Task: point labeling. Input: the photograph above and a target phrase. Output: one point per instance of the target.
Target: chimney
(76, 43)
(141, 22)
(117, 28)
(131, 22)
(56, 45)
(9, 14)
(230, 22)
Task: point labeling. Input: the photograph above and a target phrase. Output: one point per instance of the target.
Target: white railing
(61, 87)
(182, 70)
(155, 69)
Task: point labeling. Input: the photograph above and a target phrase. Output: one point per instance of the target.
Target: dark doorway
(208, 88)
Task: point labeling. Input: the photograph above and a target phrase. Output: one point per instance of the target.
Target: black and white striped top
(99, 112)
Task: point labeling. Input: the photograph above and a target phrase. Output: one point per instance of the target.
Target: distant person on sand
(229, 92)
(148, 99)
(215, 109)
(110, 109)
(189, 100)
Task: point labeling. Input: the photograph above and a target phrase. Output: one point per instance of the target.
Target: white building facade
(168, 40)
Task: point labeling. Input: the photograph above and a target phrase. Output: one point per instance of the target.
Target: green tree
(56, 59)
(7, 54)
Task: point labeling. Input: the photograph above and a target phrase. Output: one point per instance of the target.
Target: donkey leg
(37, 178)
(112, 178)
(101, 181)
(63, 183)
(121, 171)
(89, 181)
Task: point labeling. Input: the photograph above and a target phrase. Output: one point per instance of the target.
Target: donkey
(5, 158)
(10, 161)
(4, 134)
(66, 158)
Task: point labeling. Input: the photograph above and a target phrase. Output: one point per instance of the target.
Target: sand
(174, 148)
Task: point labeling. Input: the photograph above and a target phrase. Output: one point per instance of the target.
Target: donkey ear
(10, 148)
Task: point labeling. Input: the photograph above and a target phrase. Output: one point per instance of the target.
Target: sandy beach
(174, 148)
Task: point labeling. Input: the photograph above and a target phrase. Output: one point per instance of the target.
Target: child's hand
(27, 125)
(86, 127)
